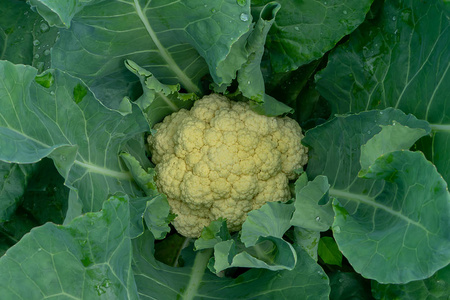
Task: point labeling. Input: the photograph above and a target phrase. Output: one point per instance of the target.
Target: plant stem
(198, 270)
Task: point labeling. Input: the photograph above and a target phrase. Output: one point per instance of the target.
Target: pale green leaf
(391, 228)
(84, 138)
(305, 30)
(86, 259)
(399, 59)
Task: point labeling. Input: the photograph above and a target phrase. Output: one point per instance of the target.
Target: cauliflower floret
(221, 159)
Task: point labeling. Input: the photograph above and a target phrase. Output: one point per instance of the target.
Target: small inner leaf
(46, 79)
(78, 93)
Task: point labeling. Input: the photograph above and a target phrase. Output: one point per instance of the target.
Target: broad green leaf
(313, 209)
(159, 100)
(305, 30)
(384, 222)
(58, 13)
(84, 138)
(272, 219)
(13, 182)
(179, 42)
(159, 281)
(308, 240)
(270, 253)
(399, 59)
(349, 286)
(88, 259)
(437, 287)
(25, 38)
(329, 252)
(400, 137)
(261, 243)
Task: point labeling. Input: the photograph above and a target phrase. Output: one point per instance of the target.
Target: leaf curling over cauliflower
(221, 159)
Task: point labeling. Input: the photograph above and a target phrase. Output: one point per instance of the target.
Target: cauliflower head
(221, 159)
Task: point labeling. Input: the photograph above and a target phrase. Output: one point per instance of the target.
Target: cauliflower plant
(221, 159)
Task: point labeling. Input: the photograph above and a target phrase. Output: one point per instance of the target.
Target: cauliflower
(221, 159)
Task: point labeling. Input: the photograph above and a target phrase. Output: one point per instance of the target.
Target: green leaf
(313, 209)
(250, 77)
(216, 232)
(436, 287)
(400, 138)
(46, 197)
(58, 13)
(329, 251)
(84, 260)
(305, 30)
(83, 138)
(308, 240)
(398, 59)
(159, 100)
(13, 182)
(194, 278)
(25, 38)
(263, 244)
(179, 42)
(272, 219)
(157, 216)
(383, 222)
(349, 286)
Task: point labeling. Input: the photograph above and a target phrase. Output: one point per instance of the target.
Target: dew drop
(325, 3)
(344, 12)
(36, 56)
(241, 2)
(297, 28)
(248, 82)
(368, 132)
(47, 52)
(394, 123)
(52, 93)
(317, 219)
(243, 17)
(394, 18)
(36, 42)
(213, 10)
(44, 27)
(40, 249)
(337, 229)
(381, 112)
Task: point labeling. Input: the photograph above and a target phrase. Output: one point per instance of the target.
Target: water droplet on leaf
(36, 42)
(44, 27)
(47, 52)
(337, 229)
(344, 12)
(36, 56)
(317, 219)
(243, 17)
(297, 28)
(394, 18)
(241, 2)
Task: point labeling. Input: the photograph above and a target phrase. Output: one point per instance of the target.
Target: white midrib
(198, 270)
(103, 171)
(88, 166)
(440, 127)
(184, 79)
(369, 201)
